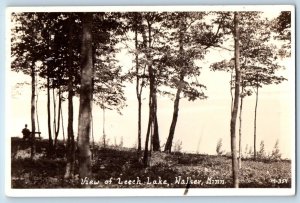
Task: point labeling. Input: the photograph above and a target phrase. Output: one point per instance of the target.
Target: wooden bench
(39, 137)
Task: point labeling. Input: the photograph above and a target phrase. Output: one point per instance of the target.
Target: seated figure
(26, 133)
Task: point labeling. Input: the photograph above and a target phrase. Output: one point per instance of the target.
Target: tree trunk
(58, 116)
(138, 88)
(93, 140)
(103, 127)
(36, 106)
(235, 169)
(62, 126)
(231, 93)
(70, 140)
(149, 131)
(150, 123)
(50, 144)
(54, 114)
(169, 143)
(32, 109)
(255, 114)
(151, 97)
(155, 144)
(155, 137)
(139, 124)
(146, 151)
(240, 130)
(85, 108)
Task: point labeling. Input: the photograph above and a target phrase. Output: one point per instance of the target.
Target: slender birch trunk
(255, 124)
(58, 117)
(235, 169)
(151, 113)
(50, 144)
(138, 87)
(240, 130)
(32, 109)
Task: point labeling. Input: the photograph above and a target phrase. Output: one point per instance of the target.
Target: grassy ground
(122, 168)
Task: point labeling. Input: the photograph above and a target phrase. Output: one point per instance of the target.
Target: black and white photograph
(150, 101)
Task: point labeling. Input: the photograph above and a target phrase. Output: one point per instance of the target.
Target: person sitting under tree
(26, 133)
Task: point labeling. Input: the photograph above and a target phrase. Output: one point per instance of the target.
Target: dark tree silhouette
(85, 108)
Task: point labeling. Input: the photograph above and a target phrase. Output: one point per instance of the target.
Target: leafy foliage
(258, 58)
(48, 38)
(282, 25)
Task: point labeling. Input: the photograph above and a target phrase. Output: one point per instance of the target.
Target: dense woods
(75, 55)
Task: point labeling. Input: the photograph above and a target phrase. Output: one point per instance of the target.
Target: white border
(96, 192)
(144, 192)
(8, 118)
(173, 8)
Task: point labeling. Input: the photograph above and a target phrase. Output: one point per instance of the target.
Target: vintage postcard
(150, 101)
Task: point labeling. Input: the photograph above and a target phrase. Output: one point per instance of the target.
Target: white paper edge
(143, 191)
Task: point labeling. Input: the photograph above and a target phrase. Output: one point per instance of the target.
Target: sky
(200, 123)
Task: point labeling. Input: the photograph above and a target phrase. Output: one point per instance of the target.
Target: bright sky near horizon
(200, 123)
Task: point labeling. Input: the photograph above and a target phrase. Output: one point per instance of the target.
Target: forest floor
(116, 167)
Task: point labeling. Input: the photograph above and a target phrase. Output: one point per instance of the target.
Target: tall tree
(236, 35)
(73, 75)
(152, 130)
(70, 140)
(262, 76)
(50, 141)
(183, 64)
(139, 81)
(32, 110)
(135, 23)
(192, 38)
(259, 56)
(55, 36)
(84, 121)
(33, 91)
(152, 19)
(108, 78)
(147, 51)
(152, 96)
(46, 71)
(258, 62)
(64, 68)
